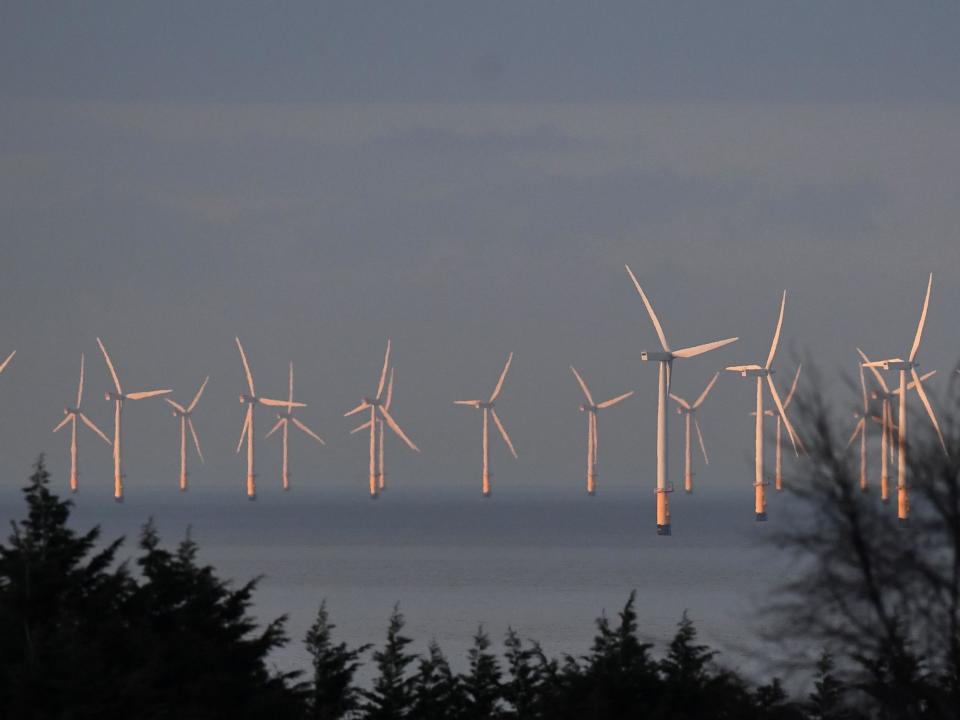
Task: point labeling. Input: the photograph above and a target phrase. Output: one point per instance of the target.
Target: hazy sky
(467, 179)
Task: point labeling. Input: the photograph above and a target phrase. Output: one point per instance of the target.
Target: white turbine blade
(593, 436)
(196, 398)
(503, 376)
(308, 431)
(196, 440)
(923, 319)
(383, 373)
(794, 440)
(359, 408)
(361, 427)
(144, 394)
(653, 316)
(793, 386)
(706, 391)
(280, 403)
(613, 401)
(860, 427)
(700, 349)
(6, 362)
(66, 419)
(863, 391)
(926, 404)
(89, 423)
(873, 369)
(246, 424)
(113, 372)
(472, 403)
(506, 438)
(583, 385)
(80, 384)
(396, 428)
(776, 334)
(276, 427)
(743, 368)
(680, 401)
(246, 368)
(389, 398)
(175, 405)
(923, 378)
(290, 386)
(703, 448)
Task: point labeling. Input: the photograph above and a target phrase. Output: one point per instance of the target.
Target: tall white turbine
(760, 372)
(689, 413)
(284, 418)
(860, 430)
(488, 412)
(379, 410)
(904, 367)
(118, 399)
(246, 434)
(381, 472)
(185, 416)
(886, 426)
(70, 416)
(592, 409)
(778, 452)
(665, 360)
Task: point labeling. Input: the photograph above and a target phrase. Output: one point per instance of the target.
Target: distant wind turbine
(381, 473)
(592, 409)
(689, 413)
(379, 410)
(778, 452)
(489, 412)
(118, 399)
(284, 418)
(246, 434)
(909, 366)
(184, 415)
(886, 426)
(70, 416)
(665, 360)
(760, 372)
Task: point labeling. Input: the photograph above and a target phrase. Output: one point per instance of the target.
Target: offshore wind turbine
(778, 473)
(909, 366)
(665, 359)
(118, 399)
(246, 434)
(886, 426)
(284, 418)
(592, 409)
(488, 412)
(760, 372)
(70, 416)
(184, 415)
(379, 410)
(381, 474)
(689, 413)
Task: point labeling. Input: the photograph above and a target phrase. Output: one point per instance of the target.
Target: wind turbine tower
(689, 413)
(592, 409)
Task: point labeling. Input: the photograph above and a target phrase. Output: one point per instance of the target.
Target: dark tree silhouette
(437, 692)
(333, 695)
(482, 683)
(391, 697)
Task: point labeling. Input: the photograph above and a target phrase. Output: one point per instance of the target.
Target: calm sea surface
(546, 565)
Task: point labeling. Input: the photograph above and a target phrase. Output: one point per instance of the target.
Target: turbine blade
(275, 428)
(583, 385)
(776, 334)
(361, 427)
(362, 406)
(290, 386)
(506, 438)
(113, 372)
(926, 404)
(66, 419)
(650, 312)
(176, 405)
(703, 448)
(6, 362)
(794, 440)
(89, 423)
(246, 423)
(144, 394)
(196, 440)
(923, 319)
(706, 391)
(923, 378)
(280, 403)
(742, 368)
(863, 391)
(876, 373)
(503, 376)
(396, 428)
(246, 368)
(474, 403)
(196, 398)
(383, 373)
(860, 427)
(680, 401)
(793, 386)
(308, 431)
(700, 349)
(613, 401)
(594, 434)
(80, 384)
(389, 398)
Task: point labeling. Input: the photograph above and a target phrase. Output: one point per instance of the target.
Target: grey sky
(468, 180)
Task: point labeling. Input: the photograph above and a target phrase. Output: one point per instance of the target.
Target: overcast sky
(467, 179)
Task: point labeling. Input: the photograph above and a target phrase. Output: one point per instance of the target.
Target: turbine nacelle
(656, 356)
(895, 364)
(757, 372)
(111, 396)
(588, 408)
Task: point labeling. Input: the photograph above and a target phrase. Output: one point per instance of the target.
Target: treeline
(84, 636)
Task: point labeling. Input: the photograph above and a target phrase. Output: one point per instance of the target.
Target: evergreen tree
(334, 665)
(437, 692)
(391, 696)
(482, 683)
(827, 701)
(528, 679)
